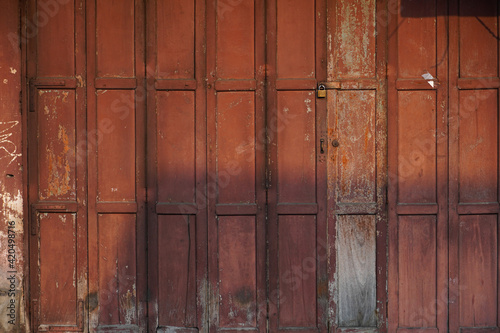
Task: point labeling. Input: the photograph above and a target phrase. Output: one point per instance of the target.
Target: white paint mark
(308, 105)
(5, 81)
(113, 189)
(430, 79)
(13, 70)
(6, 145)
(12, 207)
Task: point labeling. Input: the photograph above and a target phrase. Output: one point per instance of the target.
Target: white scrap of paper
(430, 79)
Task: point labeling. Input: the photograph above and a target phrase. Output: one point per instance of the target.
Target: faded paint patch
(59, 177)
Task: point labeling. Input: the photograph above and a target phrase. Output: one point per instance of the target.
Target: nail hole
(9, 175)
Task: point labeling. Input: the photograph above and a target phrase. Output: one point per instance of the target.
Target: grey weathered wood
(356, 271)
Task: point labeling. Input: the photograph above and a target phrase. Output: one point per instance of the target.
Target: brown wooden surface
(356, 165)
(417, 168)
(443, 166)
(176, 162)
(236, 165)
(474, 169)
(57, 175)
(266, 207)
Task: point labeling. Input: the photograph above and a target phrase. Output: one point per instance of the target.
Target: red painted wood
(56, 173)
(176, 144)
(418, 162)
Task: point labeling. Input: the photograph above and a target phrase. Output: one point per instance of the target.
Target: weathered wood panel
(57, 144)
(236, 40)
(55, 39)
(356, 246)
(116, 168)
(235, 141)
(115, 49)
(356, 161)
(478, 146)
(478, 38)
(416, 147)
(417, 38)
(295, 22)
(237, 272)
(297, 271)
(177, 271)
(175, 38)
(176, 119)
(355, 44)
(478, 272)
(296, 147)
(117, 269)
(417, 271)
(58, 293)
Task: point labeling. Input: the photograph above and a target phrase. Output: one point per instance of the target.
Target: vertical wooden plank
(478, 262)
(115, 38)
(356, 270)
(116, 160)
(236, 193)
(296, 147)
(418, 174)
(417, 271)
(474, 289)
(297, 271)
(56, 169)
(58, 281)
(417, 147)
(237, 272)
(356, 164)
(117, 269)
(177, 271)
(116, 169)
(177, 256)
(176, 163)
(478, 146)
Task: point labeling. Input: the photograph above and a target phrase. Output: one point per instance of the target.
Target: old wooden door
(86, 142)
(443, 166)
(57, 177)
(222, 156)
(179, 159)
